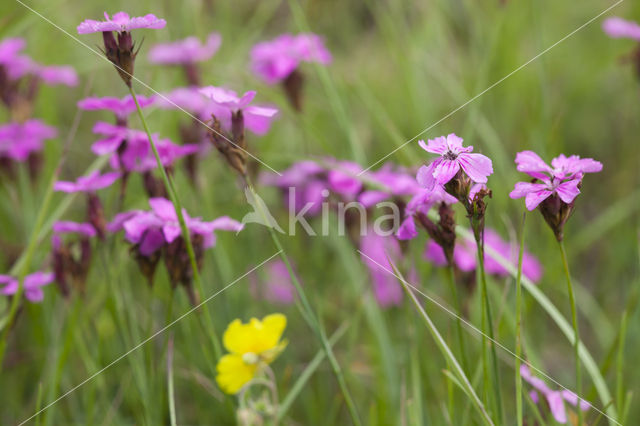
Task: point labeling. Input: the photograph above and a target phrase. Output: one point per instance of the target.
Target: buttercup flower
(122, 108)
(120, 53)
(558, 188)
(453, 157)
(32, 285)
(252, 347)
(185, 51)
(555, 399)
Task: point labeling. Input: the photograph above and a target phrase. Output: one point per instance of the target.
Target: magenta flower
(465, 256)
(276, 286)
(303, 185)
(275, 60)
(421, 203)
(67, 227)
(555, 399)
(618, 28)
(121, 22)
(563, 177)
(185, 51)
(90, 183)
(191, 100)
(56, 74)
(138, 156)
(391, 182)
(32, 285)
(453, 157)
(153, 229)
(256, 118)
(19, 140)
(122, 108)
(343, 178)
(10, 47)
(377, 250)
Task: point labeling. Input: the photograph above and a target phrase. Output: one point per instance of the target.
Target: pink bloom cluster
(122, 108)
(618, 28)
(32, 285)
(120, 22)
(151, 230)
(453, 157)
(16, 65)
(562, 178)
(555, 399)
(275, 60)
(89, 183)
(19, 140)
(465, 256)
(185, 51)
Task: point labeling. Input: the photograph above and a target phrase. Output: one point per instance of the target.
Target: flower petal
(477, 166)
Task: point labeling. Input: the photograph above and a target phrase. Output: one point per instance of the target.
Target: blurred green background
(399, 66)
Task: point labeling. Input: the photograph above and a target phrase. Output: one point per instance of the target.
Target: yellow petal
(233, 373)
(256, 336)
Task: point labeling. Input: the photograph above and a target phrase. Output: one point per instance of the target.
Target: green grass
(399, 67)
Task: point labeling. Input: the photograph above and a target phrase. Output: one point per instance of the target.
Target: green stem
(488, 322)
(172, 403)
(309, 315)
(458, 305)
(519, 325)
(173, 195)
(574, 319)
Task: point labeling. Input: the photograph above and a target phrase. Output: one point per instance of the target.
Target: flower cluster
(32, 285)
(554, 188)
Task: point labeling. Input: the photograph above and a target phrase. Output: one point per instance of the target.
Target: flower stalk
(519, 325)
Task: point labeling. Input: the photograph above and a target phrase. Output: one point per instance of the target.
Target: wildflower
(465, 256)
(377, 250)
(276, 287)
(150, 231)
(420, 205)
(302, 186)
(187, 53)
(122, 108)
(121, 52)
(235, 114)
(20, 140)
(89, 185)
(558, 187)
(72, 259)
(555, 399)
(278, 61)
(32, 285)
(390, 183)
(619, 28)
(252, 347)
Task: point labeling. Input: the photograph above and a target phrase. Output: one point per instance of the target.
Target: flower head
(617, 28)
(303, 186)
(32, 285)
(555, 399)
(453, 158)
(84, 229)
(121, 52)
(19, 140)
(420, 204)
(89, 183)
(185, 51)
(251, 347)
(122, 108)
(274, 60)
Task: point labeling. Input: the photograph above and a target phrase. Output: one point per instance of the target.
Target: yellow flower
(250, 345)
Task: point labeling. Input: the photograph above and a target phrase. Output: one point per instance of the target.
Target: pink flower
(57, 74)
(555, 399)
(153, 229)
(305, 181)
(617, 27)
(10, 47)
(66, 227)
(121, 22)
(391, 182)
(19, 140)
(377, 250)
(256, 118)
(90, 183)
(274, 60)
(276, 287)
(122, 108)
(32, 285)
(138, 156)
(421, 203)
(343, 178)
(185, 51)
(454, 157)
(465, 256)
(563, 177)
(191, 100)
